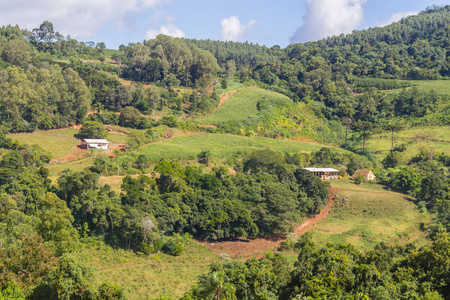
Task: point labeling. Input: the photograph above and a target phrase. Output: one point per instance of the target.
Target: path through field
(242, 248)
(223, 98)
(245, 248)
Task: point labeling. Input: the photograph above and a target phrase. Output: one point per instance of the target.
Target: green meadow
(240, 106)
(220, 146)
(60, 142)
(433, 138)
(441, 86)
(149, 276)
(367, 214)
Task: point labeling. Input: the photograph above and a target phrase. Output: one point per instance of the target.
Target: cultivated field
(220, 146)
(240, 106)
(441, 86)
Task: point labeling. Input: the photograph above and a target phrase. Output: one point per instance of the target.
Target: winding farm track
(241, 248)
(245, 248)
(224, 97)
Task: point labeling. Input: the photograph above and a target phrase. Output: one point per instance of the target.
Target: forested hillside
(209, 141)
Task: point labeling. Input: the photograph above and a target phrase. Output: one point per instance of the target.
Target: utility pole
(347, 122)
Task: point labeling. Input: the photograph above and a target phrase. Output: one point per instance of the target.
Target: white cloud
(398, 16)
(329, 17)
(80, 19)
(169, 29)
(233, 30)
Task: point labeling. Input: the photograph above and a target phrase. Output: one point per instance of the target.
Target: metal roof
(321, 169)
(96, 141)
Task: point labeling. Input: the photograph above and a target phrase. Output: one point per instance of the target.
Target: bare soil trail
(75, 154)
(241, 248)
(244, 248)
(223, 98)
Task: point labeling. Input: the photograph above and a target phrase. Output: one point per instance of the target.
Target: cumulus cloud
(329, 17)
(233, 30)
(170, 30)
(398, 16)
(80, 19)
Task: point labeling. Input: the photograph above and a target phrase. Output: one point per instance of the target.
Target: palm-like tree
(214, 287)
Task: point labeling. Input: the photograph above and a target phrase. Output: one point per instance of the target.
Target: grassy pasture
(60, 142)
(240, 106)
(370, 216)
(433, 138)
(441, 86)
(149, 277)
(220, 146)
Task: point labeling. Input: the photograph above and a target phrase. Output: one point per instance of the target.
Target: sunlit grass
(240, 106)
(220, 146)
(371, 215)
(432, 138)
(149, 276)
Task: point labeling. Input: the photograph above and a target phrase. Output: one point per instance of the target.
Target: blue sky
(264, 22)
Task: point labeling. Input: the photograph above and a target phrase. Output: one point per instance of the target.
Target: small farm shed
(324, 173)
(94, 144)
(368, 174)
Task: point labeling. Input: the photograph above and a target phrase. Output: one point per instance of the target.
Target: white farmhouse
(324, 173)
(95, 144)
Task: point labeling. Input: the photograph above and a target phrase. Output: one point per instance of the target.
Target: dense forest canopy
(340, 90)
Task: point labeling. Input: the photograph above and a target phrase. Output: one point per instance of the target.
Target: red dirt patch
(207, 126)
(223, 98)
(76, 153)
(111, 153)
(232, 171)
(243, 248)
(302, 139)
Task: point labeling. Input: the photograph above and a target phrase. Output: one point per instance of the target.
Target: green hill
(220, 146)
(243, 105)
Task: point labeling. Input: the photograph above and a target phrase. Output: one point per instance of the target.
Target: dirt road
(244, 248)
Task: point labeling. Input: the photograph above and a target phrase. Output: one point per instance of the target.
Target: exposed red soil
(244, 248)
(241, 248)
(207, 126)
(306, 140)
(111, 153)
(76, 153)
(232, 171)
(223, 98)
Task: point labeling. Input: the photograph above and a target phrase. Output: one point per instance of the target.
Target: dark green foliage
(172, 246)
(93, 130)
(172, 60)
(335, 271)
(170, 121)
(412, 103)
(25, 259)
(217, 205)
(72, 279)
(359, 178)
(129, 117)
(364, 84)
(12, 292)
(42, 98)
(111, 291)
(392, 160)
